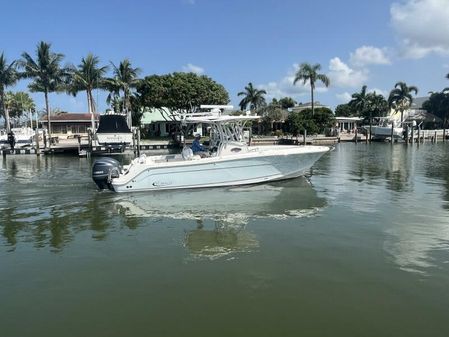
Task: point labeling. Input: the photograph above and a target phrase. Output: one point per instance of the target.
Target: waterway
(358, 248)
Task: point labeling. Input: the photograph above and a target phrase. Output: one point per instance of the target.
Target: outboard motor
(103, 170)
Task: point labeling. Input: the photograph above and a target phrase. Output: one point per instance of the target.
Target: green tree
(377, 105)
(360, 102)
(271, 113)
(8, 77)
(287, 102)
(252, 97)
(87, 77)
(438, 104)
(125, 78)
(180, 92)
(401, 98)
(344, 110)
(46, 73)
(314, 123)
(309, 73)
(20, 102)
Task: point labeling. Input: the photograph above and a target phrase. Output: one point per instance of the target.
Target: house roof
(156, 115)
(70, 117)
(418, 102)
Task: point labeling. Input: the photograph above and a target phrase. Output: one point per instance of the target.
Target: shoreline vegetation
(132, 95)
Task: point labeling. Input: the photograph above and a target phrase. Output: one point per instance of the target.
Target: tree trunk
(47, 107)
(128, 113)
(313, 105)
(89, 107)
(6, 113)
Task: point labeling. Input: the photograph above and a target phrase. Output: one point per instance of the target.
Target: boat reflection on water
(222, 214)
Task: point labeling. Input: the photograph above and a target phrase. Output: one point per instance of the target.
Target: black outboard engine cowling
(103, 170)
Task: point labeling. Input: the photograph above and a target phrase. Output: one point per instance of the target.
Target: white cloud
(344, 97)
(422, 26)
(191, 68)
(285, 88)
(378, 91)
(369, 55)
(341, 75)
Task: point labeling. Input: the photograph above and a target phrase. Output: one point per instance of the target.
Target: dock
(83, 146)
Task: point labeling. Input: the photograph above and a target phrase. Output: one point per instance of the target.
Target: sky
(356, 42)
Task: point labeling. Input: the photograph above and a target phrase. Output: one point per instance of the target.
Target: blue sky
(357, 42)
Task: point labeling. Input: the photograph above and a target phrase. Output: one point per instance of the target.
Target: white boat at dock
(113, 130)
(231, 161)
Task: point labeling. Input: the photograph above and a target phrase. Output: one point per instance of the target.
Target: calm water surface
(361, 248)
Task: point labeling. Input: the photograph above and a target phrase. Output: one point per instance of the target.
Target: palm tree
(87, 77)
(377, 104)
(8, 77)
(309, 73)
(20, 102)
(125, 78)
(360, 101)
(401, 97)
(46, 72)
(252, 97)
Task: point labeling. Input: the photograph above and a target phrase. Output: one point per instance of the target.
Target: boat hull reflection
(222, 214)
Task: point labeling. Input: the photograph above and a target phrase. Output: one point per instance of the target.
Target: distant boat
(113, 130)
(23, 137)
(383, 129)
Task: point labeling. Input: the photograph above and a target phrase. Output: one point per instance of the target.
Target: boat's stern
(104, 170)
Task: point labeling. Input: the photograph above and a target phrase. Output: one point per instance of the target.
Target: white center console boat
(231, 161)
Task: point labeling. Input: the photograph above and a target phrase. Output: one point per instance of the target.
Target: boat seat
(187, 153)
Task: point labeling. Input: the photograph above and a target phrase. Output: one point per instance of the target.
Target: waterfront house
(308, 105)
(69, 123)
(348, 124)
(162, 122)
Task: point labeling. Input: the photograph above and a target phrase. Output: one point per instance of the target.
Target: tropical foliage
(125, 78)
(287, 102)
(438, 104)
(401, 98)
(252, 98)
(8, 77)
(312, 122)
(368, 104)
(19, 103)
(309, 73)
(271, 113)
(180, 91)
(344, 110)
(46, 73)
(87, 77)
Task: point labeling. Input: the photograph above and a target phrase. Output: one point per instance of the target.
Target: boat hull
(272, 164)
(382, 132)
(114, 138)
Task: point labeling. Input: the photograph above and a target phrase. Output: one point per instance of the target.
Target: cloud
(341, 75)
(189, 2)
(344, 97)
(285, 88)
(378, 91)
(369, 55)
(422, 27)
(191, 68)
